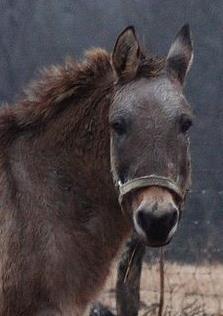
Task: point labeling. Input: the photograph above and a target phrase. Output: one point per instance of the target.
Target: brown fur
(61, 224)
(156, 194)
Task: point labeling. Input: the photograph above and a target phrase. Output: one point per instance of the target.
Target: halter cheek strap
(148, 181)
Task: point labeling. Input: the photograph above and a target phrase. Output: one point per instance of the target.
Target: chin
(155, 243)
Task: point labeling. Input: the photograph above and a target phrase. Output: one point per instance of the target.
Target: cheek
(119, 160)
(185, 166)
(186, 173)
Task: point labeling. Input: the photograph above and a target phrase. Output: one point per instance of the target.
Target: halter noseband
(148, 181)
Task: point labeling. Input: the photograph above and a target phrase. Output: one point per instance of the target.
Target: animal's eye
(119, 127)
(185, 123)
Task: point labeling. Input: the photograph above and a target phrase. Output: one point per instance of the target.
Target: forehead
(156, 94)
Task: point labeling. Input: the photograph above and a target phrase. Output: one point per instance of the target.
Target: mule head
(150, 119)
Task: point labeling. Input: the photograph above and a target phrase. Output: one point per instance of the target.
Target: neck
(62, 196)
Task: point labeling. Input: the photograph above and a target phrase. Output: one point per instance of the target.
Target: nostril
(142, 219)
(170, 218)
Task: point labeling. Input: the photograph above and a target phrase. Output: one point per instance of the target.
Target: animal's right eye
(185, 123)
(118, 127)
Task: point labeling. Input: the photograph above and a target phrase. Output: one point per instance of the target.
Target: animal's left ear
(180, 56)
(126, 54)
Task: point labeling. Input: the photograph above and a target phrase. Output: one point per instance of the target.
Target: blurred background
(36, 34)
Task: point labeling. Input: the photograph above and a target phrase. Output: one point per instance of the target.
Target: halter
(148, 181)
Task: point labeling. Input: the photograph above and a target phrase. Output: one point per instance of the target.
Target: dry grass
(189, 290)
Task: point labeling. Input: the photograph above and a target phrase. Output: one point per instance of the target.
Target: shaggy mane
(44, 97)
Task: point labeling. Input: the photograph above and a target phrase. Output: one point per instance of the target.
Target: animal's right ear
(126, 54)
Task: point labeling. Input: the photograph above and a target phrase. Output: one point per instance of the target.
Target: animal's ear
(180, 56)
(126, 54)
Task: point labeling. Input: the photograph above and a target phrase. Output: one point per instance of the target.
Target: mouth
(149, 242)
(158, 244)
(155, 243)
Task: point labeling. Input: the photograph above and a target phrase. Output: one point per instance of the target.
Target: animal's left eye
(185, 123)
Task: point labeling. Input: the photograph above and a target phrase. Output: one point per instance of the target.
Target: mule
(91, 151)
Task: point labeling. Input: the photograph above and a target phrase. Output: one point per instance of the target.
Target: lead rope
(130, 263)
(162, 282)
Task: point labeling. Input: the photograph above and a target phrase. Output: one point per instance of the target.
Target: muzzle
(148, 181)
